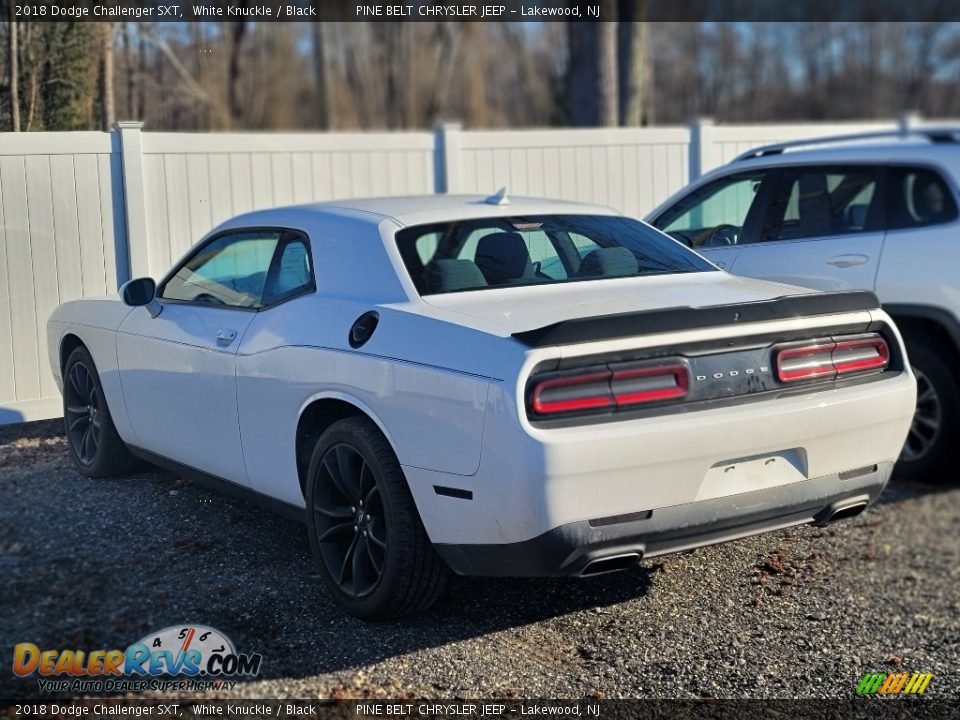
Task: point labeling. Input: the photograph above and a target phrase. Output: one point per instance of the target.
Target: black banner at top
(484, 11)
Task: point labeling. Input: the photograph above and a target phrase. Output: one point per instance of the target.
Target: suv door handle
(225, 337)
(845, 261)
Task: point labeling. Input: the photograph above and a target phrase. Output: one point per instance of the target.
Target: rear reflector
(832, 357)
(610, 388)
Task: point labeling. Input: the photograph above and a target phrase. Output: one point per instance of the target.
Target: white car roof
(420, 209)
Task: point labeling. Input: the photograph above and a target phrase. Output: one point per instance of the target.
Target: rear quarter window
(918, 197)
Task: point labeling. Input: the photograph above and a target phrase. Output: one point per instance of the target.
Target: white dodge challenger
(490, 387)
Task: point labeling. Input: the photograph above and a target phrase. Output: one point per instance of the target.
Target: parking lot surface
(95, 564)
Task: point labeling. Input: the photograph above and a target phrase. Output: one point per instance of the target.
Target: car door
(821, 227)
(178, 370)
(716, 218)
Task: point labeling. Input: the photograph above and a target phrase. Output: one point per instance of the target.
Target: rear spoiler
(650, 322)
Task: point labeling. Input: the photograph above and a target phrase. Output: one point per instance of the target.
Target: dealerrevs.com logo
(199, 657)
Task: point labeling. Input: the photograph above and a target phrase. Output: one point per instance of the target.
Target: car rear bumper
(794, 448)
(589, 547)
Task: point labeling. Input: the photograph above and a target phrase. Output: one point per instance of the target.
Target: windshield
(535, 250)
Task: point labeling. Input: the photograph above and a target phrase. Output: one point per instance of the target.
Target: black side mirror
(141, 292)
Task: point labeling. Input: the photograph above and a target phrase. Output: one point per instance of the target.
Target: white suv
(876, 211)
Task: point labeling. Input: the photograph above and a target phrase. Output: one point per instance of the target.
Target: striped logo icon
(894, 684)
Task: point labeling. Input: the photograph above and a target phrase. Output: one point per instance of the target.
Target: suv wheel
(365, 531)
(930, 449)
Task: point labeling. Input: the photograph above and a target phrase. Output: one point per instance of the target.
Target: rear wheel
(365, 531)
(931, 450)
(95, 446)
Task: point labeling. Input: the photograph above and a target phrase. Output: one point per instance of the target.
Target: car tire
(365, 531)
(95, 446)
(930, 451)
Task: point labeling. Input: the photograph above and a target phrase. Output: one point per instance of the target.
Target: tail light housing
(609, 388)
(832, 357)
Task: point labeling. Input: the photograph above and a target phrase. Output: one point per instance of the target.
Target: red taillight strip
(611, 388)
(806, 363)
(861, 361)
(676, 373)
(586, 402)
(829, 359)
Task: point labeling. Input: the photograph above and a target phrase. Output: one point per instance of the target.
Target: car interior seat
(609, 262)
(450, 275)
(503, 258)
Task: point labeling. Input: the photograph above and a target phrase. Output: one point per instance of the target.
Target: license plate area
(758, 472)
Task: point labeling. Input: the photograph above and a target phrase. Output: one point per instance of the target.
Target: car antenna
(498, 198)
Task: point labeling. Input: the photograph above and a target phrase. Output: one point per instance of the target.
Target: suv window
(822, 201)
(918, 197)
(246, 269)
(715, 214)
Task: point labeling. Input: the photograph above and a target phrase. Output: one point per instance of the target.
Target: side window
(820, 202)
(713, 215)
(290, 273)
(246, 269)
(583, 244)
(917, 197)
(544, 255)
(426, 246)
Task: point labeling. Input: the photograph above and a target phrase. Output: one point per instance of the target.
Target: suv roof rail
(933, 134)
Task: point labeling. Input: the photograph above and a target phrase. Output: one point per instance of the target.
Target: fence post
(447, 158)
(701, 147)
(134, 202)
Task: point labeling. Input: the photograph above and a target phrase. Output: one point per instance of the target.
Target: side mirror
(141, 292)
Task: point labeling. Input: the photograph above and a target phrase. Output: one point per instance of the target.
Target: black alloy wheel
(83, 415)
(95, 446)
(365, 529)
(350, 521)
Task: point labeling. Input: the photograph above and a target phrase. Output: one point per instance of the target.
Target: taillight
(577, 392)
(832, 357)
(610, 388)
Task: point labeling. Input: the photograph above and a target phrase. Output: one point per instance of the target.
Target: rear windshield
(535, 250)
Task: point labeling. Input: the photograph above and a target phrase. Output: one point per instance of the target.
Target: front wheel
(930, 450)
(95, 446)
(365, 531)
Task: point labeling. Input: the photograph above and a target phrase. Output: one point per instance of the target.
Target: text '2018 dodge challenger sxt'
(497, 388)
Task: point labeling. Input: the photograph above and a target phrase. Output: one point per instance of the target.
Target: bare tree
(607, 82)
(108, 105)
(321, 76)
(634, 64)
(14, 68)
(239, 29)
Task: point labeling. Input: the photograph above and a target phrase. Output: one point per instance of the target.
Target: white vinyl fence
(82, 212)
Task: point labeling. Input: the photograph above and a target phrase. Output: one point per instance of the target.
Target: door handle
(845, 261)
(721, 264)
(225, 337)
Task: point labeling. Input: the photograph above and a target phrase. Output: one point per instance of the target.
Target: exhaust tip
(835, 513)
(610, 564)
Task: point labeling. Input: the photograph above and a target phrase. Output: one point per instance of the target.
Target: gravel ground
(802, 613)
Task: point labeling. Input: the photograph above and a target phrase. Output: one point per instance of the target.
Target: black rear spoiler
(650, 322)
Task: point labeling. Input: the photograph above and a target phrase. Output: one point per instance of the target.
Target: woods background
(342, 76)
